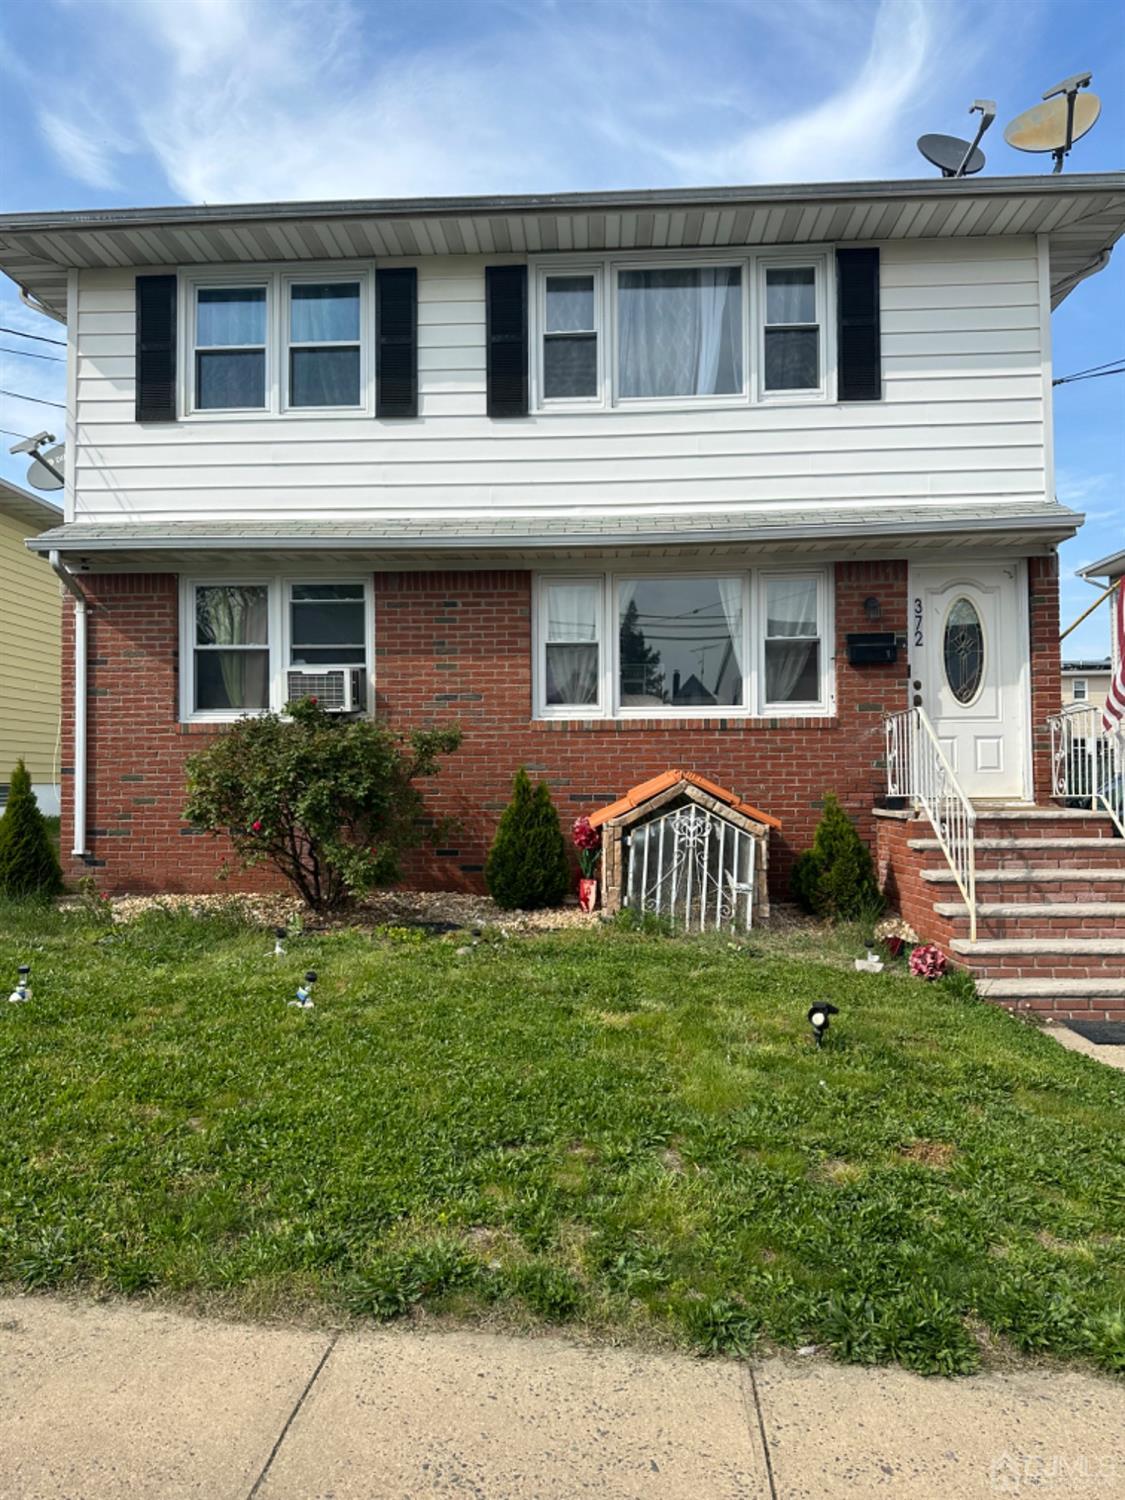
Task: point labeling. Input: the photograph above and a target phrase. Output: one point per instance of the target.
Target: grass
(618, 1130)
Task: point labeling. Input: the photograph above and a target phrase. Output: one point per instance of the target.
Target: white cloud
(84, 149)
(280, 99)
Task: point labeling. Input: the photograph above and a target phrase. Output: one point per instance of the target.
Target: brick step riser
(1072, 1008)
(1039, 927)
(1014, 891)
(1042, 966)
(1111, 857)
(1098, 828)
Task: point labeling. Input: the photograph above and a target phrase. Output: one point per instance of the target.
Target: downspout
(81, 608)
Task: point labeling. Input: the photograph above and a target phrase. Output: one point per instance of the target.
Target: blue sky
(114, 102)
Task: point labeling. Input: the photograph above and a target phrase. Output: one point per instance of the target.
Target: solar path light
(818, 1019)
(304, 1000)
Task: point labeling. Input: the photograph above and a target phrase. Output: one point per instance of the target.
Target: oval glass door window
(963, 649)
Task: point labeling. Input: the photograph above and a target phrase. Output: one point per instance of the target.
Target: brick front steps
(1050, 905)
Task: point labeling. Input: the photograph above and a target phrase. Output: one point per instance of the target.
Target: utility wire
(39, 401)
(39, 338)
(1089, 370)
(1094, 375)
(31, 354)
(7, 431)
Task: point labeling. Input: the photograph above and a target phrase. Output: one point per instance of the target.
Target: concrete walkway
(106, 1401)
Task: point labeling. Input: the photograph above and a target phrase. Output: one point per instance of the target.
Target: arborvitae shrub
(527, 865)
(836, 877)
(29, 865)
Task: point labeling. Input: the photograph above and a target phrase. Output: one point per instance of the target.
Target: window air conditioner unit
(338, 690)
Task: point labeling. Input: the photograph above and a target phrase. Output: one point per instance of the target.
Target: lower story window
(259, 645)
(729, 644)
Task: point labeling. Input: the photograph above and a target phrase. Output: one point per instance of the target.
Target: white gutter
(81, 608)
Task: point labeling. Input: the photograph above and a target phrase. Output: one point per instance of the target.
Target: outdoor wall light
(872, 608)
(22, 990)
(304, 1000)
(818, 1019)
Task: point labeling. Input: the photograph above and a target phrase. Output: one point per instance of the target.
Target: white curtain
(572, 643)
(791, 628)
(728, 684)
(680, 332)
(327, 314)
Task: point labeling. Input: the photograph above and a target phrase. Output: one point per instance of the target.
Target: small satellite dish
(955, 157)
(46, 473)
(1063, 118)
(948, 152)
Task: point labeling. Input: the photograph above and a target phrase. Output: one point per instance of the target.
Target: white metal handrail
(918, 770)
(1088, 761)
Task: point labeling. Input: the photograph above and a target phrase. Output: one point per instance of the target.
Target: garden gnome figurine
(304, 1000)
(22, 990)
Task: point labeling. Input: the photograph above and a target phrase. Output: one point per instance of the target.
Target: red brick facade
(456, 646)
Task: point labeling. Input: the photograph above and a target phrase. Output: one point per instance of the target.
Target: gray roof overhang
(28, 509)
(416, 542)
(1082, 213)
(1106, 567)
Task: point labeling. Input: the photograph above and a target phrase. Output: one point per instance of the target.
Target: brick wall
(456, 646)
(1046, 681)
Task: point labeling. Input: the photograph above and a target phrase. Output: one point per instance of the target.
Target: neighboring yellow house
(30, 647)
(1086, 682)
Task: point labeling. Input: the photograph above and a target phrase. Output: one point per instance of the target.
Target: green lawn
(632, 1134)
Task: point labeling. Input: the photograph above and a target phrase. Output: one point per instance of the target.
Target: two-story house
(616, 480)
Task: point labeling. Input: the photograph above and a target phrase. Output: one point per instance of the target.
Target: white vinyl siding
(962, 415)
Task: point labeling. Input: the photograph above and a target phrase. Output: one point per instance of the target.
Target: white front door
(969, 648)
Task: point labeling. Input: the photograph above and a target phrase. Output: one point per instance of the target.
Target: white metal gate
(692, 867)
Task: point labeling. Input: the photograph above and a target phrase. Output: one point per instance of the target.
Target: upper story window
(791, 329)
(571, 354)
(230, 348)
(617, 332)
(694, 645)
(255, 646)
(679, 332)
(325, 365)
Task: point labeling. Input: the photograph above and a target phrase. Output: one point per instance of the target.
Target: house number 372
(917, 622)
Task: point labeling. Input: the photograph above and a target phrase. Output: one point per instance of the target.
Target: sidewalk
(106, 1401)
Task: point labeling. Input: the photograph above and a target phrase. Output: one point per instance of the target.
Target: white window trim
(278, 585)
(195, 285)
(752, 264)
(276, 279)
(822, 283)
(539, 277)
(753, 645)
(364, 343)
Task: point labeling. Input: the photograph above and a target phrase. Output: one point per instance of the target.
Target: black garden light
(818, 1019)
(279, 934)
(304, 1000)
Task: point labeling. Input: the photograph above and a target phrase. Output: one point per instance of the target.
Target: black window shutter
(396, 347)
(859, 374)
(156, 349)
(506, 339)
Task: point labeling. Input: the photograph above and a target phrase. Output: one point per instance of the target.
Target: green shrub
(328, 802)
(835, 879)
(527, 865)
(29, 865)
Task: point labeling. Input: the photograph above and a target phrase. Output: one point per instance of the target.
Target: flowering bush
(895, 927)
(928, 962)
(588, 842)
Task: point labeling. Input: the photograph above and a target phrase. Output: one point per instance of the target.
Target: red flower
(314, 701)
(584, 836)
(256, 825)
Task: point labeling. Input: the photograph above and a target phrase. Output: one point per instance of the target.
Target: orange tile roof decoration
(649, 789)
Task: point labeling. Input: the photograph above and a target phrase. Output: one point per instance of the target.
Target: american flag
(1113, 714)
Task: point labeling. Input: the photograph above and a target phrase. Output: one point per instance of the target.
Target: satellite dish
(1063, 118)
(948, 153)
(46, 472)
(955, 157)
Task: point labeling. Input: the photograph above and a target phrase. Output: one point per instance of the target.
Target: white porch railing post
(917, 769)
(1088, 761)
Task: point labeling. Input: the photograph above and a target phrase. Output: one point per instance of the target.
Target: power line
(7, 431)
(39, 401)
(39, 338)
(1070, 379)
(31, 354)
(1090, 369)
